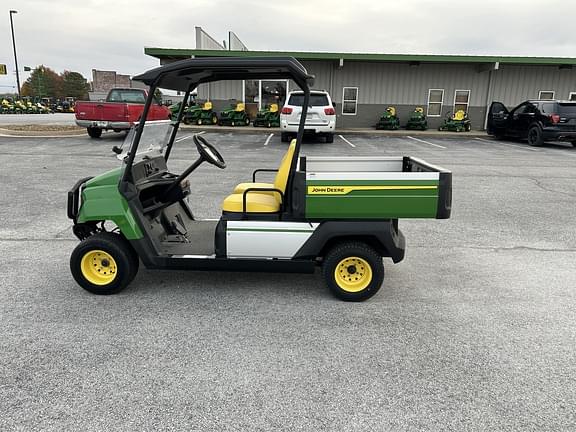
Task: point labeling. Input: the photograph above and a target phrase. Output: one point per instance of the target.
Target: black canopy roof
(185, 74)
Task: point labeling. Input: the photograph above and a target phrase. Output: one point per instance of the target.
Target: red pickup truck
(123, 108)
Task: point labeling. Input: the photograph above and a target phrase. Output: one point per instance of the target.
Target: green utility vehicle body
(339, 213)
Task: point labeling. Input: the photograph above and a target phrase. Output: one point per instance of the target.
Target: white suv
(320, 118)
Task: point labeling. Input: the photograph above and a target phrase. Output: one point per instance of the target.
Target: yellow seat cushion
(243, 186)
(255, 203)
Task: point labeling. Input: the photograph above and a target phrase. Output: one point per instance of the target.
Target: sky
(111, 35)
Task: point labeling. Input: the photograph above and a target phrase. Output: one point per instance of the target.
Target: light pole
(15, 56)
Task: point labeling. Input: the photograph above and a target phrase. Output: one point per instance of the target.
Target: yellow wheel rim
(98, 267)
(353, 274)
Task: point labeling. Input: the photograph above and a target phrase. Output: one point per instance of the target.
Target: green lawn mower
(200, 114)
(268, 117)
(6, 107)
(389, 120)
(459, 122)
(234, 116)
(417, 120)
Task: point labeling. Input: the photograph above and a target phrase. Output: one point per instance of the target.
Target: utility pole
(15, 56)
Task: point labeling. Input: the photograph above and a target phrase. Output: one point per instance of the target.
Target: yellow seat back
(274, 108)
(460, 114)
(281, 179)
(239, 107)
(391, 110)
(207, 106)
(419, 110)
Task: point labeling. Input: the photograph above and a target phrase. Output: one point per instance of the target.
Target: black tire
(214, 119)
(535, 136)
(94, 132)
(125, 258)
(247, 121)
(329, 138)
(352, 258)
(468, 128)
(573, 143)
(269, 125)
(284, 137)
(199, 121)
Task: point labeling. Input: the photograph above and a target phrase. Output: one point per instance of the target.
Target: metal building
(363, 85)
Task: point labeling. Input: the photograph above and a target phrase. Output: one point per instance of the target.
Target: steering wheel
(208, 152)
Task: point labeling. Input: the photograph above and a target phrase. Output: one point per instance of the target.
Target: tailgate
(101, 111)
(376, 188)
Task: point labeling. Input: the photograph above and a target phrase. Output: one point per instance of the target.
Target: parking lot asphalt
(474, 330)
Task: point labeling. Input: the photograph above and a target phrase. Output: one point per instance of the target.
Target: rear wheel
(94, 132)
(199, 121)
(247, 121)
(573, 143)
(329, 138)
(104, 263)
(535, 136)
(214, 119)
(284, 137)
(353, 271)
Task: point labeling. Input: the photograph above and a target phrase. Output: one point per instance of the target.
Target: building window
(435, 101)
(546, 94)
(461, 100)
(349, 100)
(572, 96)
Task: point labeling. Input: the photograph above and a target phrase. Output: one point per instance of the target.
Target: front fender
(104, 203)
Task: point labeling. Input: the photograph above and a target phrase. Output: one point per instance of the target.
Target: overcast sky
(82, 35)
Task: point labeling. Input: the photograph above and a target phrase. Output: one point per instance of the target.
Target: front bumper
(74, 198)
(103, 124)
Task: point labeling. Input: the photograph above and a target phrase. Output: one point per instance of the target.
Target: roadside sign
(2, 69)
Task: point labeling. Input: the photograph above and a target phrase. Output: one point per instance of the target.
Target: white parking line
(506, 144)
(188, 136)
(425, 142)
(268, 139)
(346, 141)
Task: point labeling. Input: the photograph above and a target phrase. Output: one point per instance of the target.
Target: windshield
(154, 139)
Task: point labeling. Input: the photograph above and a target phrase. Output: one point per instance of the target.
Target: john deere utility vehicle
(417, 120)
(201, 114)
(389, 120)
(234, 116)
(340, 213)
(268, 117)
(459, 122)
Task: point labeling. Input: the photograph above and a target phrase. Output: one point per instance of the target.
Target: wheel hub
(98, 267)
(353, 274)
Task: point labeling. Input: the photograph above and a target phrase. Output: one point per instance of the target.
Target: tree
(43, 82)
(75, 85)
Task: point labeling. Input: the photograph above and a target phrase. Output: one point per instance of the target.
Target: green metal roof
(174, 53)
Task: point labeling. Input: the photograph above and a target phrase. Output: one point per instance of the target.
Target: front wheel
(94, 132)
(353, 271)
(535, 138)
(214, 119)
(104, 263)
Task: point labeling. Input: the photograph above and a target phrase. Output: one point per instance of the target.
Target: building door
(273, 92)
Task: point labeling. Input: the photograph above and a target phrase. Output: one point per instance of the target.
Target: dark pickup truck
(536, 121)
(123, 108)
